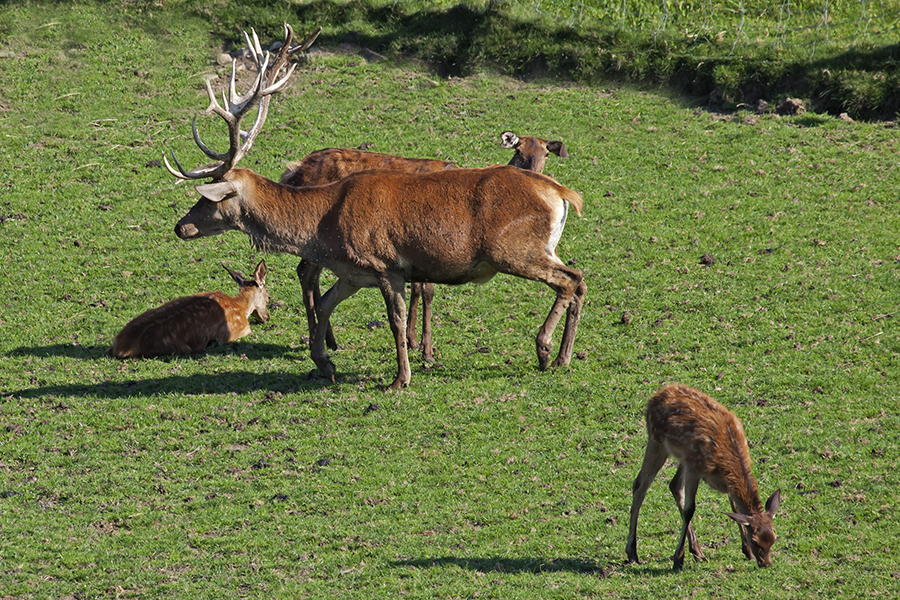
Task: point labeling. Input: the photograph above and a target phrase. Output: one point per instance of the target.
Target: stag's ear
(508, 139)
(558, 148)
(772, 503)
(741, 519)
(216, 192)
(260, 274)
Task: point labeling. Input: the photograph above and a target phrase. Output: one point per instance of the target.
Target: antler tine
(238, 106)
(201, 173)
(305, 44)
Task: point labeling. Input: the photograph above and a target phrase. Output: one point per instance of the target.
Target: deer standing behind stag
(332, 164)
(383, 229)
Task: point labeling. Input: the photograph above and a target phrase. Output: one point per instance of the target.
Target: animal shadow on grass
(500, 564)
(294, 380)
(252, 351)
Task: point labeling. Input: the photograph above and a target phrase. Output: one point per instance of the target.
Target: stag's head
(531, 152)
(267, 82)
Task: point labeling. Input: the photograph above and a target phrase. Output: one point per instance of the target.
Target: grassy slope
(232, 473)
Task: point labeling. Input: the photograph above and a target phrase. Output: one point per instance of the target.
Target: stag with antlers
(382, 229)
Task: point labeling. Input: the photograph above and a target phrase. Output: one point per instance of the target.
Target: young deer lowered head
(194, 323)
(709, 444)
(331, 164)
(383, 228)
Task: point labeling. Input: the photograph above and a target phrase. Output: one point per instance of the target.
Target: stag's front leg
(308, 273)
(393, 289)
(339, 292)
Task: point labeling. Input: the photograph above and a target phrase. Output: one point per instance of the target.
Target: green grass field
(237, 473)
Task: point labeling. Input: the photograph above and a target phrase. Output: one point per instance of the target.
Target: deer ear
(508, 139)
(236, 276)
(558, 148)
(772, 503)
(260, 274)
(741, 519)
(216, 192)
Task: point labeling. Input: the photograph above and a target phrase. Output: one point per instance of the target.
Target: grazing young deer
(384, 228)
(332, 164)
(194, 323)
(709, 444)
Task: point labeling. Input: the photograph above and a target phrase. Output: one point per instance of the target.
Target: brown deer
(194, 323)
(331, 164)
(384, 228)
(709, 444)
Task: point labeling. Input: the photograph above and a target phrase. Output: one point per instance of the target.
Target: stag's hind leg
(573, 314)
(569, 286)
(427, 298)
(689, 489)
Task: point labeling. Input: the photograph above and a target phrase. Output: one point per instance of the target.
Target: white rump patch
(560, 212)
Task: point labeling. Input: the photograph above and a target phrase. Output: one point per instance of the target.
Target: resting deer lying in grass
(709, 444)
(332, 164)
(383, 228)
(195, 323)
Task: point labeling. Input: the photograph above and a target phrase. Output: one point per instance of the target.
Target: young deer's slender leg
(339, 292)
(654, 459)
(393, 288)
(415, 293)
(745, 542)
(690, 497)
(676, 486)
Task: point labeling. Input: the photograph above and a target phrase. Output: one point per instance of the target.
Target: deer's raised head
(531, 152)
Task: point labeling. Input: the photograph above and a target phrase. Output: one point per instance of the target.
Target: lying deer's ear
(508, 139)
(216, 192)
(741, 519)
(236, 276)
(558, 148)
(260, 274)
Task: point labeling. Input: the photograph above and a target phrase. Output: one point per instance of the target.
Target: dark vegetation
(862, 81)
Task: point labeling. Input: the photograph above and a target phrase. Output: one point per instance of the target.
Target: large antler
(264, 85)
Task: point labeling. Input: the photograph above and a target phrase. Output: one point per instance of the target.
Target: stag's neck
(280, 218)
